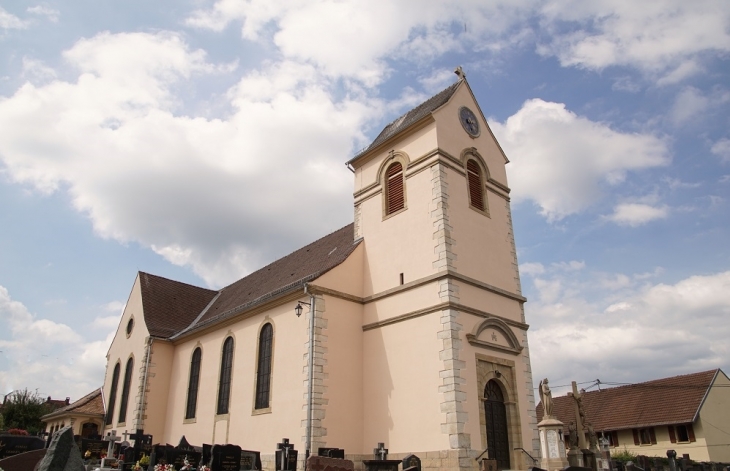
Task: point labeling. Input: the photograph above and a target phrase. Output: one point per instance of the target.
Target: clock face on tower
(469, 121)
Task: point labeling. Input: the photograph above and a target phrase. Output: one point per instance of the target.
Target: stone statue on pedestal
(546, 396)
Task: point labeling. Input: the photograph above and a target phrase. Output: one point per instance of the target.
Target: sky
(199, 140)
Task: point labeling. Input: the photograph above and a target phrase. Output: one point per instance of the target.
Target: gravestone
(226, 458)
(206, 454)
(321, 463)
(11, 445)
(412, 462)
(63, 454)
(381, 461)
(332, 452)
(184, 451)
(286, 456)
(92, 449)
(250, 460)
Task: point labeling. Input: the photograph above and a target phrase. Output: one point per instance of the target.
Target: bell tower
(440, 268)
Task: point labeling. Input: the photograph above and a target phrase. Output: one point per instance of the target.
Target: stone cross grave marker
(381, 452)
(112, 438)
(286, 456)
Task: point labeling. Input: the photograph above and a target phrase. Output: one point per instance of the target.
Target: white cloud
(48, 12)
(117, 307)
(341, 38)
(40, 353)
(689, 103)
(106, 323)
(641, 332)
(36, 71)
(663, 39)
(560, 160)
(532, 269)
(10, 21)
(635, 214)
(721, 149)
(189, 188)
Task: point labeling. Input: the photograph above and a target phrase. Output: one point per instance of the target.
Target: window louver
(474, 177)
(395, 188)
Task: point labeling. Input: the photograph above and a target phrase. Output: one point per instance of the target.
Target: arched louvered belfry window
(475, 184)
(394, 188)
(113, 395)
(224, 384)
(125, 391)
(193, 382)
(263, 367)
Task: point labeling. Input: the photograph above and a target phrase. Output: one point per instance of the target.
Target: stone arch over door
(89, 429)
(502, 372)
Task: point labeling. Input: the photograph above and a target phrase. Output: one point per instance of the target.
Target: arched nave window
(112, 395)
(125, 391)
(263, 369)
(224, 384)
(193, 382)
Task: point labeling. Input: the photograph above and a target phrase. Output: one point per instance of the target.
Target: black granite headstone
(250, 460)
(412, 462)
(338, 453)
(285, 456)
(226, 458)
(206, 454)
(184, 451)
(92, 449)
(11, 445)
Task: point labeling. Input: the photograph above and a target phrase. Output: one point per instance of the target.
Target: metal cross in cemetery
(285, 446)
(112, 438)
(381, 452)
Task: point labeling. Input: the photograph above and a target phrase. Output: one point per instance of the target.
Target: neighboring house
(689, 414)
(420, 339)
(85, 415)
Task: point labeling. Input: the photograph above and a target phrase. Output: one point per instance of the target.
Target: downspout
(141, 407)
(310, 372)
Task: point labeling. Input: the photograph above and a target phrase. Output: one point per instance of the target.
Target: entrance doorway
(496, 418)
(89, 430)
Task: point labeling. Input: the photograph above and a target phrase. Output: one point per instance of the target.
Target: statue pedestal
(552, 446)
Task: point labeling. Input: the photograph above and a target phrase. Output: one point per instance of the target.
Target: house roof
(170, 306)
(91, 404)
(287, 273)
(665, 401)
(411, 117)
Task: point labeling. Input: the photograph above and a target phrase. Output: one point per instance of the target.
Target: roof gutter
(702, 402)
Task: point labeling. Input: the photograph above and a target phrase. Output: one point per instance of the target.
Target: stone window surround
(228, 335)
(192, 420)
(266, 410)
(468, 154)
(404, 160)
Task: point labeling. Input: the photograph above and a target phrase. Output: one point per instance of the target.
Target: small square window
(682, 433)
(645, 436)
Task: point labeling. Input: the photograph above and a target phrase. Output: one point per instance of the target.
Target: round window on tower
(130, 326)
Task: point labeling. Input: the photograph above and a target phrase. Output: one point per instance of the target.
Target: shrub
(624, 456)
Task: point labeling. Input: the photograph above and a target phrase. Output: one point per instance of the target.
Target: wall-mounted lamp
(298, 309)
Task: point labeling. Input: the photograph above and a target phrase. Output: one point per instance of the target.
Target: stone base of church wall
(444, 460)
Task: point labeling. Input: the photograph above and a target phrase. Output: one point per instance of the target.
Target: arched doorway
(496, 418)
(89, 430)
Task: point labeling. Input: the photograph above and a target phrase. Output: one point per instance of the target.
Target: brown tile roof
(283, 275)
(170, 306)
(411, 117)
(90, 404)
(674, 400)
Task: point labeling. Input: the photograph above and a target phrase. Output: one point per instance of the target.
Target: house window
(681, 433)
(394, 189)
(644, 436)
(612, 439)
(263, 370)
(125, 391)
(193, 384)
(112, 395)
(224, 385)
(475, 184)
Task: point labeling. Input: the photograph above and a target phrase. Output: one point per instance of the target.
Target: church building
(412, 317)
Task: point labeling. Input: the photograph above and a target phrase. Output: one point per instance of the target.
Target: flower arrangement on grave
(87, 455)
(164, 467)
(144, 461)
(18, 431)
(204, 468)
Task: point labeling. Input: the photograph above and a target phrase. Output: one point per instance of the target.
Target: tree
(23, 410)
(2, 422)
